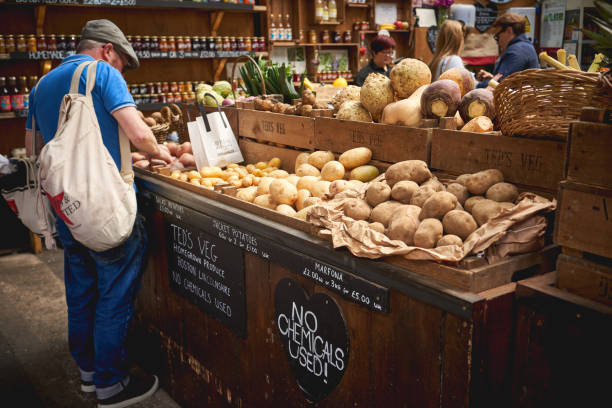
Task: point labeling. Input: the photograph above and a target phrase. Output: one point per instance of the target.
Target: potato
(320, 188)
(459, 223)
(355, 184)
(449, 240)
(502, 192)
(187, 160)
(459, 206)
(311, 201)
(458, 190)
(286, 210)
(356, 157)
(265, 200)
(293, 179)
(175, 174)
(183, 177)
(301, 159)
(306, 183)
(357, 209)
(438, 204)
(302, 195)
(319, 158)
(303, 213)
(332, 170)
(338, 186)
(462, 179)
(143, 164)
(261, 165)
(470, 202)
(413, 170)
(479, 183)
(247, 194)
(383, 211)
(264, 185)
(364, 173)
(307, 170)
(403, 223)
(435, 183)
(377, 226)
(377, 193)
(283, 192)
(195, 182)
(211, 172)
(428, 233)
(484, 210)
(402, 191)
(183, 148)
(278, 173)
(274, 162)
(150, 122)
(421, 195)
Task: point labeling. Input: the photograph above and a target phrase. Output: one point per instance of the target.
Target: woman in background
(449, 45)
(381, 47)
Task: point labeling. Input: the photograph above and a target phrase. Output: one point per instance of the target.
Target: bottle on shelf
(280, 36)
(319, 10)
(273, 29)
(16, 97)
(325, 11)
(5, 97)
(288, 32)
(333, 10)
(24, 91)
(2, 45)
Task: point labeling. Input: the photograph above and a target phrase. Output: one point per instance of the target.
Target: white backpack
(81, 179)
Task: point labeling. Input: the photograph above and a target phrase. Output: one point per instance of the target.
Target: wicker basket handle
(176, 112)
(248, 57)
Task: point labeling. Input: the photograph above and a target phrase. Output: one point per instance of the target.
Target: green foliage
(277, 78)
(604, 22)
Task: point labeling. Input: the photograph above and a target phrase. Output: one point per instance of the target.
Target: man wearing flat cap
(100, 286)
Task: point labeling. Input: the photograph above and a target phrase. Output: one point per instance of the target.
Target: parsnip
(544, 57)
(562, 56)
(573, 62)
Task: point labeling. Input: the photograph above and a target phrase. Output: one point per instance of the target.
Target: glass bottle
(10, 43)
(5, 97)
(226, 44)
(319, 11)
(24, 91)
(273, 29)
(187, 44)
(288, 32)
(255, 44)
(61, 42)
(312, 37)
(180, 44)
(173, 87)
(154, 44)
(165, 87)
(248, 44)
(325, 39)
(233, 44)
(146, 43)
(51, 43)
(325, 11)
(347, 37)
(333, 11)
(31, 43)
(262, 44)
(71, 43)
(150, 88)
(203, 44)
(195, 44)
(2, 45)
(280, 31)
(212, 44)
(16, 97)
(171, 44)
(163, 43)
(20, 44)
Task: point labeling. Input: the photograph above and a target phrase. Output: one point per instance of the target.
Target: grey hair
(88, 45)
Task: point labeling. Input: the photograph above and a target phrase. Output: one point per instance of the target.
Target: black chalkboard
(485, 16)
(208, 272)
(432, 36)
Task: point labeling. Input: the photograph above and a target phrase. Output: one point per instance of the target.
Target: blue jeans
(100, 291)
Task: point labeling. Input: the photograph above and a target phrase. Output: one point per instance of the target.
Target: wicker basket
(541, 103)
(160, 131)
(173, 115)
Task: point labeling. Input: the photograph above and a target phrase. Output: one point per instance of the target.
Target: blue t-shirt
(109, 94)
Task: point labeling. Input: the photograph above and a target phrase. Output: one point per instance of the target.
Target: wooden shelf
(358, 5)
(390, 31)
(328, 23)
(59, 55)
(276, 44)
(229, 7)
(12, 115)
(283, 43)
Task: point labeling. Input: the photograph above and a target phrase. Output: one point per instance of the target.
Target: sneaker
(88, 386)
(139, 389)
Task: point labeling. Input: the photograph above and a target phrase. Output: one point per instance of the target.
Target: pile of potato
(182, 157)
(303, 108)
(413, 206)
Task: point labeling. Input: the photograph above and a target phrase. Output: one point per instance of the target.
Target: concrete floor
(36, 369)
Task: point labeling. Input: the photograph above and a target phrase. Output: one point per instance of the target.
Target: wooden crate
(584, 218)
(290, 130)
(584, 277)
(562, 347)
(388, 143)
(254, 152)
(474, 274)
(526, 162)
(589, 158)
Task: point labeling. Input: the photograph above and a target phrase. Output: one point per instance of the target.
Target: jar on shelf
(10, 43)
(170, 97)
(51, 43)
(162, 98)
(146, 43)
(173, 87)
(180, 86)
(142, 88)
(233, 44)
(137, 43)
(163, 43)
(219, 42)
(138, 99)
(150, 88)
(312, 37)
(187, 44)
(171, 44)
(30, 43)
(3, 45)
(130, 39)
(347, 37)
(20, 44)
(188, 87)
(180, 44)
(177, 97)
(365, 26)
(61, 42)
(212, 44)
(226, 44)
(336, 37)
(71, 43)
(301, 39)
(325, 38)
(247, 44)
(195, 44)
(254, 43)
(203, 44)
(154, 44)
(185, 97)
(165, 87)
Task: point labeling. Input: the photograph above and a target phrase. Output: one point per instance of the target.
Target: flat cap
(107, 32)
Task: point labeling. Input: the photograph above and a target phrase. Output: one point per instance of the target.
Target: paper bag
(204, 157)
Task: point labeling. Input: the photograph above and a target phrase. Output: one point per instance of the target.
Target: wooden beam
(39, 14)
(45, 66)
(220, 69)
(217, 18)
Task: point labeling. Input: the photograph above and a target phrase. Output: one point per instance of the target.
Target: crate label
(315, 337)
(207, 272)
(363, 138)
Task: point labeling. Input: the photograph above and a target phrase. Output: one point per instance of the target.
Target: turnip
(440, 99)
(462, 77)
(478, 102)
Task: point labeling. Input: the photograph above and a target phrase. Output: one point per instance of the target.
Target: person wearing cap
(100, 286)
(381, 47)
(517, 52)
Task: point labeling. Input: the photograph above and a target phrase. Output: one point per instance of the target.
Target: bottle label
(5, 103)
(26, 101)
(17, 102)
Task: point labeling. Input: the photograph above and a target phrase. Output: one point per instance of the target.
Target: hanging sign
(315, 338)
(485, 16)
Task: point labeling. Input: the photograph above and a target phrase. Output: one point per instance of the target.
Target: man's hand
(163, 155)
(483, 75)
(136, 130)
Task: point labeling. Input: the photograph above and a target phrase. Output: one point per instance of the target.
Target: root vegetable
(421, 195)
(462, 77)
(428, 233)
(406, 112)
(357, 209)
(502, 192)
(462, 178)
(364, 173)
(349, 93)
(307, 170)
(301, 159)
(479, 124)
(320, 188)
(458, 190)
(403, 223)
(338, 186)
(187, 160)
(311, 201)
(286, 210)
(356, 157)
(303, 213)
(332, 170)
(479, 183)
(158, 162)
(377, 193)
(471, 202)
(302, 196)
(408, 75)
(413, 170)
(459, 223)
(449, 239)
(378, 227)
(438, 204)
(172, 148)
(264, 185)
(435, 183)
(306, 183)
(283, 192)
(440, 99)
(319, 158)
(142, 164)
(353, 110)
(383, 211)
(247, 194)
(478, 102)
(376, 93)
(484, 210)
(402, 191)
(265, 200)
(136, 156)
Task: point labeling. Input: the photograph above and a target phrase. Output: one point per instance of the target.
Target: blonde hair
(449, 42)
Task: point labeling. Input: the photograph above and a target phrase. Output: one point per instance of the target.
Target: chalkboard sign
(485, 16)
(315, 337)
(208, 272)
